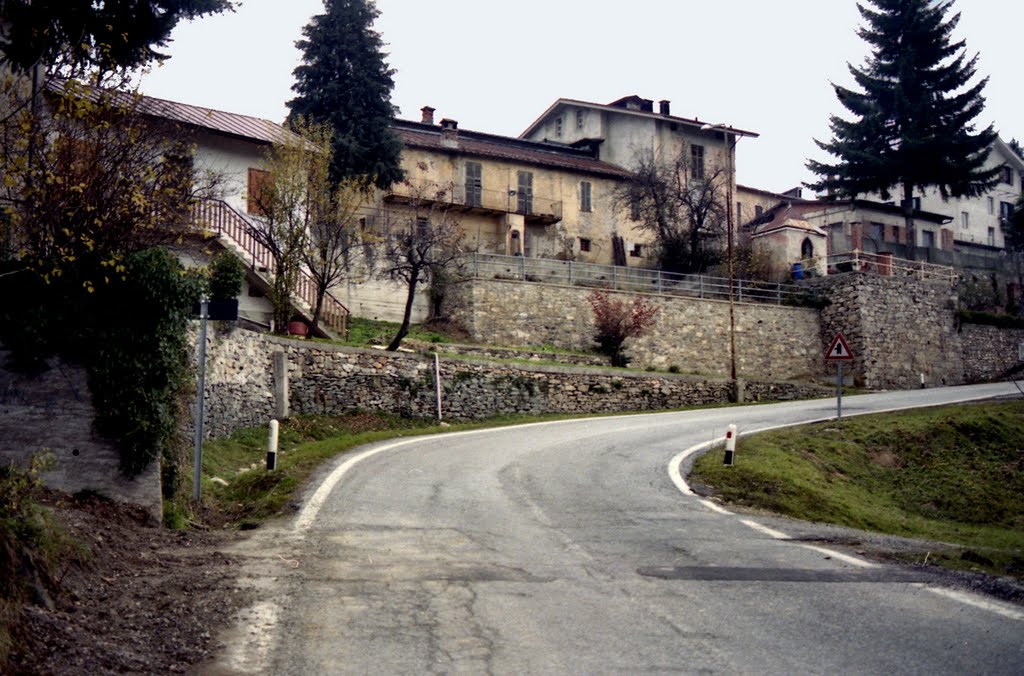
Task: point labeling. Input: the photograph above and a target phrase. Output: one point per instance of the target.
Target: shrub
(227, 272)
(615, 321)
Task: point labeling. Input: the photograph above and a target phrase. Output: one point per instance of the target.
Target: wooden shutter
(258, 181)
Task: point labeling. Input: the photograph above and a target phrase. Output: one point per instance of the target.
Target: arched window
(807, 248)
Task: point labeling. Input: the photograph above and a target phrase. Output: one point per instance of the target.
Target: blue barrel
(798, 270)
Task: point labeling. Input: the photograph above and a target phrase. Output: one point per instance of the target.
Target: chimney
(428, 115)
(449, 132)
(663, 107)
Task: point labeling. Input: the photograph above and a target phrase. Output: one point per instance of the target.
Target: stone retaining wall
(330, 379)
(898, 328)
(772, 341)
(990, 352)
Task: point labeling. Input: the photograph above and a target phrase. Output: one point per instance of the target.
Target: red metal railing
(218, 217)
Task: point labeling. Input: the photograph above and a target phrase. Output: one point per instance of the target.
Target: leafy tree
(421, 244)
(91, 181)
(912, 118)
(71, 37)
(615, 321)
(683, 213)
(343, 81)
(227, 274)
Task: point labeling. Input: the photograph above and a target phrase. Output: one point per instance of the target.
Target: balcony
(535, 210)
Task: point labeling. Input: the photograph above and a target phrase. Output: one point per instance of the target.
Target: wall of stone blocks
(991, 353)
(772, 341)
(332, 379)
(898, 328)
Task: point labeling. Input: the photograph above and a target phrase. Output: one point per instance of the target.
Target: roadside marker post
(838, 351)
(272, 446)
(730, 446)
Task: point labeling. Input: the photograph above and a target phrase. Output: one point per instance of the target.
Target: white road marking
(852, 560)
(1003, 609)
(770, 532)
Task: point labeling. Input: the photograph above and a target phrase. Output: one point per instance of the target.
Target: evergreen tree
(344, 82)
(912, 122)
(1016, 147)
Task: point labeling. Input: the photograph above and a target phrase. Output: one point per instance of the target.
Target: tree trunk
(908, 220)
(403, 330)
(313, 325)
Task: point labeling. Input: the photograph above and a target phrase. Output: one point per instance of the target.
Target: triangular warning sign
(838, 350)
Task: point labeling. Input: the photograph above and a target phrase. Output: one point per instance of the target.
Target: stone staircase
(234, 231)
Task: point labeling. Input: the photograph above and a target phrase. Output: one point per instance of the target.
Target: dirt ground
(142, 599)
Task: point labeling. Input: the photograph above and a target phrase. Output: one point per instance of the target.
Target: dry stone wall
(772, 341)
(991, 353)
(898, 328)
(331, 379)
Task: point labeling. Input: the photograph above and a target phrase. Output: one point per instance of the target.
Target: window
(991, 205)
(739, 213)
(916, 201)
(1007, 175)
(877, 232)
(758, 210)
(558, 127)
(636, 251)
(585, 196)
(965, 220)
(524, 194)
(697, 162)
(258, 182)
(928, 239)
(474, 184)
(991, 236)
(579, 119)
(584, 244)
(1005, 211)
(422, 226)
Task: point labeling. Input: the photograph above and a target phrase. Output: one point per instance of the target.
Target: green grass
(951, 474)
(362, 332)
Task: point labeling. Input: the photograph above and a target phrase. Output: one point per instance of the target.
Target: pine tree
(912, 122)
(344, 81)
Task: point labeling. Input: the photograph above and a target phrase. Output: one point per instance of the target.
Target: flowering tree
(615, 321)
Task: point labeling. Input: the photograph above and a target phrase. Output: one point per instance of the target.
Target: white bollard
(730, 445)
(272, 446)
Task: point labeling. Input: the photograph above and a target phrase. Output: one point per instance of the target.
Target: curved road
(568, 548)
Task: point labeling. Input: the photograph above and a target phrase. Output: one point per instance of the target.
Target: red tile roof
(556, 156)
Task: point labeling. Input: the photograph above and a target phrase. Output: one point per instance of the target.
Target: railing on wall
(506, 201)
(882, 264)
(218, 217)
(638, 280)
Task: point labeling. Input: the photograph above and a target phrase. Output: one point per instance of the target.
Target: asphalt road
(569, 548)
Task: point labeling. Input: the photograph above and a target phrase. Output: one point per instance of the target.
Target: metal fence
(883, 264)
(636, 280)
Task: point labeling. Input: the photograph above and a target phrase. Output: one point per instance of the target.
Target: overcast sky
(759, 65)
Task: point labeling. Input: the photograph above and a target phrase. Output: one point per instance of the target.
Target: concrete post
(280, 385)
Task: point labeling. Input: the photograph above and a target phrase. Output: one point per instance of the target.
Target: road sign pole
(197, 468)
(839, 393)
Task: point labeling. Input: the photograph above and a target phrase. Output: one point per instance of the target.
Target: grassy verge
(952, 474)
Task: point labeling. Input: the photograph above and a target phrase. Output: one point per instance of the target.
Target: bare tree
(423, 243)
(681, 205)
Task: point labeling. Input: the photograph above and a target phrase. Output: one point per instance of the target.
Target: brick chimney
(663, 107)
(428, 115)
